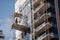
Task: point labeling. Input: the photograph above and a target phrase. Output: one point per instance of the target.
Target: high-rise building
(38, 20)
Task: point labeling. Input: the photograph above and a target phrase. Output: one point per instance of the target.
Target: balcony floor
(20, 27)
(43, 28)
(43, 18)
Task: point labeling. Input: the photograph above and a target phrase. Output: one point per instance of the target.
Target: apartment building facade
(38, 20)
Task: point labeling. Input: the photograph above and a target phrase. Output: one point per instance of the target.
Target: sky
(6, 10)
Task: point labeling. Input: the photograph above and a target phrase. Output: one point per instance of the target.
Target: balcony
(41, 19)
(20, 27)
(45, 36)
(37, 2)
(41, 8)
(43, 27)
(17, 15)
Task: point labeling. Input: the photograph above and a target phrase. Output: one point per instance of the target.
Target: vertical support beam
(57, 17)
(32, 22)
(31, 29)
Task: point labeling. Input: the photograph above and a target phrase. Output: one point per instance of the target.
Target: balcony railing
(16, 15)
(42, 25)
(45, 36)
(40, 6)
(42, 16)
(41, 19)
(42, 28)
(36, 1)
(20, 27)
(43, 7)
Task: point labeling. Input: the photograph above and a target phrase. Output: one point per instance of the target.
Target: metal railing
(45, 35)
(42, 25)
(39, 7)
(36, 1)
(42, 16)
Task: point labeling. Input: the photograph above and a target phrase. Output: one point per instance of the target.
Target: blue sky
(6, 9)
